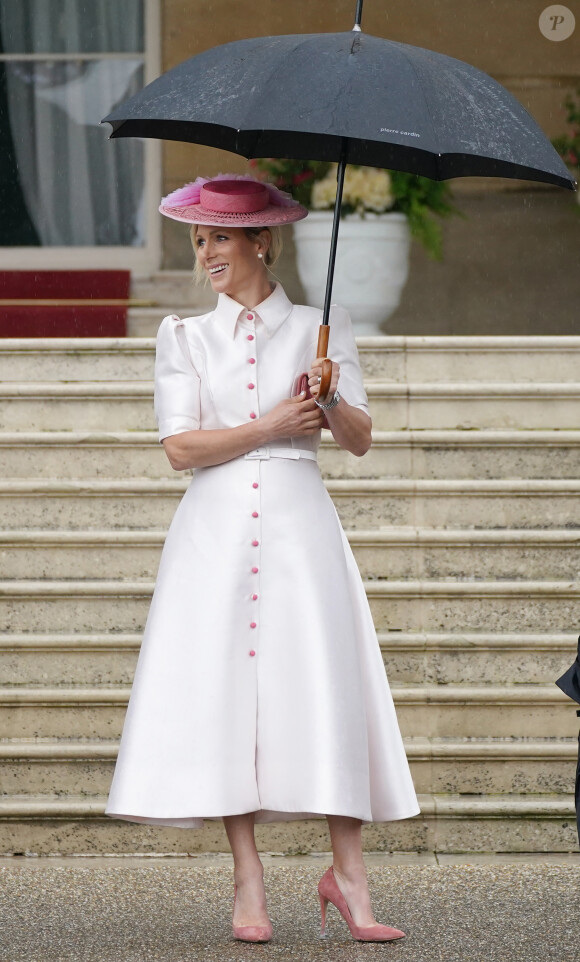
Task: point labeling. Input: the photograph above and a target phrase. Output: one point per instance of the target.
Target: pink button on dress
(325, 738)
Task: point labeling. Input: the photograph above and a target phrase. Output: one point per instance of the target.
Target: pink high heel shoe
(251, 933)
(329, 891)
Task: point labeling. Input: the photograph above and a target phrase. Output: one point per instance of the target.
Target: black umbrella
(569, 682)
(349, 98)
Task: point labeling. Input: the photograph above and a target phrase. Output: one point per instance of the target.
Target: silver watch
(331, 404)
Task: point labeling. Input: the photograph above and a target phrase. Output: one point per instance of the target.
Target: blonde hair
(270, 257)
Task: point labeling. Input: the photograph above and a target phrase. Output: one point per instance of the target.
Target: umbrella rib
(427, 108)
(275, 69)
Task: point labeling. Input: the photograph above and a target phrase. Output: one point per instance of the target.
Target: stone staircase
(465, 521)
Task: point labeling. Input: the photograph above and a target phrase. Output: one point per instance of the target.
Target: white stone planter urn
(372, 264)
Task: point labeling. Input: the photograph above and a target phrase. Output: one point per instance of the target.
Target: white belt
(265, 453)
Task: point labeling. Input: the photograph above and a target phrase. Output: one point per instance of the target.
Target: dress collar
(273, 311)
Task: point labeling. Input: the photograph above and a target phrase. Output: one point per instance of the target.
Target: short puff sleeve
(342, 349)
(177, 383)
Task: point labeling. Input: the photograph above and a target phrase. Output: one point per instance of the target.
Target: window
(64, 64)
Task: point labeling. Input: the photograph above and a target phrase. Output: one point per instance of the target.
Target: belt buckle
(261, 454)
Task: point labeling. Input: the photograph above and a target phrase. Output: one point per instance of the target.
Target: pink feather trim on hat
(190, 194)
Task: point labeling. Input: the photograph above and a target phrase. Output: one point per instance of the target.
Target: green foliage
(294, 176)
(422, 200)
(568, 145)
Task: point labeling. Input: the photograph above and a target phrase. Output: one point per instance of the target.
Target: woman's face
(229, 257)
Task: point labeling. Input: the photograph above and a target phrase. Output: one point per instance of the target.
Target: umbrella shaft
(334, 238)
(358, 14)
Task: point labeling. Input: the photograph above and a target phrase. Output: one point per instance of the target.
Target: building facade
(72, 198)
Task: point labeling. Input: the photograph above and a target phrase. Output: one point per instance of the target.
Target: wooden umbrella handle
(326, 373)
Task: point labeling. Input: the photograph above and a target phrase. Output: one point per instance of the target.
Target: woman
(260, 692)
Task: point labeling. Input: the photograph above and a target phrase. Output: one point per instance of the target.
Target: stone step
(501, 711)
(463, 454)
(474, 405)
(40, 659)
(138, 454)
(414, 605)
(530, 711)
(362, 503)
(393, 553)
(124, 359)
(500, 554)
(97, 405)
(76, 359)
(76, 824)
(400, 359)
(51, 766)
(93, 659)
(442, 765)
(481, 358)
(430, 455)
(128, 405)
(479, 658)
(489, 766)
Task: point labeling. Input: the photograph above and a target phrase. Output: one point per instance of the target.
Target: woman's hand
(292, 418)
(350, 427)
(315, 374)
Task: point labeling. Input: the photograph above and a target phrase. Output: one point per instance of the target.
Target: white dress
(260, 685)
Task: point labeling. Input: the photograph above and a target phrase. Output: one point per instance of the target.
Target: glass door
(69, 196)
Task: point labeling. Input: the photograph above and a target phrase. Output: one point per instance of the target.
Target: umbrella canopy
(315, 96)
(346, 97)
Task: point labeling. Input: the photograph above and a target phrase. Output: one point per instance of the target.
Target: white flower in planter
(365, 189)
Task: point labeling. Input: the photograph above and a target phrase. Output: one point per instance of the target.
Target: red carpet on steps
(66, 317)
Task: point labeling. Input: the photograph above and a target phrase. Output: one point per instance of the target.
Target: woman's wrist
(264, 433)
(328, 405)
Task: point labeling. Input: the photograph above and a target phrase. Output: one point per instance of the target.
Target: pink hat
(235, 200)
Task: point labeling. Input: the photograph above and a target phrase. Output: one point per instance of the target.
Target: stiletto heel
(250, 933)
(323, 904)
(329, 891)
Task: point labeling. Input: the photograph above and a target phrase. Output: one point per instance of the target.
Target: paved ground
(177, 910)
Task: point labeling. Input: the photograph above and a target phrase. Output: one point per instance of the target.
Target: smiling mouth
(218, 269)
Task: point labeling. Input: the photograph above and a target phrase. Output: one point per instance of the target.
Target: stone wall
(511, 266)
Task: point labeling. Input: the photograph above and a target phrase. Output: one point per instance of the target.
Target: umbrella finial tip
(357, 27)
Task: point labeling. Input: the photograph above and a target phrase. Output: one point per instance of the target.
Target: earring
(260, 256)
